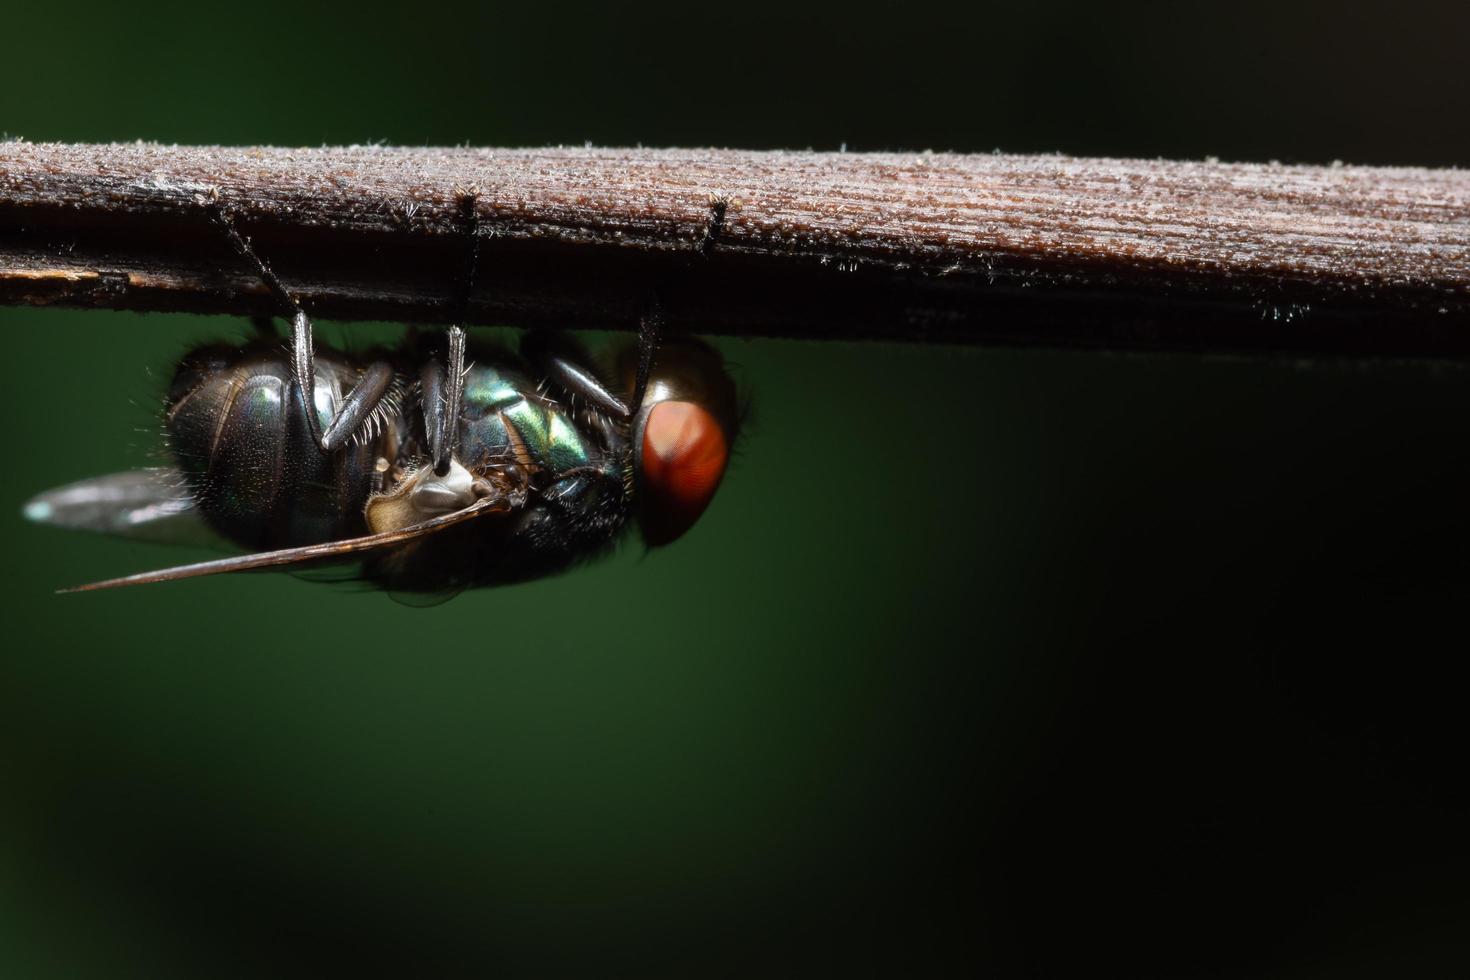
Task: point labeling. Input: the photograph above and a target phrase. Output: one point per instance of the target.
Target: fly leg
(443, 389)
(650, 326)
(443, 400)
(365, 395)
(562, 360)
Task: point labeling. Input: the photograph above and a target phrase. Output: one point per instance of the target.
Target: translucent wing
(146, 505)
(326, 552)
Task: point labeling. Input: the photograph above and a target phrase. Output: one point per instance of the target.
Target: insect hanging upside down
(477, 469)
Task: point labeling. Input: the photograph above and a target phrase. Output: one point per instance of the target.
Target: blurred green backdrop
(1037, 660)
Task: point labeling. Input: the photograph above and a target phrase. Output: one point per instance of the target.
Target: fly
(434, 466)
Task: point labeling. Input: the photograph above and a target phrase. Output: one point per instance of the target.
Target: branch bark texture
(1022, 249)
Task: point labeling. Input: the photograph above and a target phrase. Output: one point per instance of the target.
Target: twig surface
(1022, 249)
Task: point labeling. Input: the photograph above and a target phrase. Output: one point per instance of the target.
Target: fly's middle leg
(442, 385)
(443, 401)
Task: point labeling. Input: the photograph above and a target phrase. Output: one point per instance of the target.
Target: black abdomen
(236, 428)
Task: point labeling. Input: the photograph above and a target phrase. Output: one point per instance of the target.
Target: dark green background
(1037, 660)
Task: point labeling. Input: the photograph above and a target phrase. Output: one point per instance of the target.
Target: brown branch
(1037, 249)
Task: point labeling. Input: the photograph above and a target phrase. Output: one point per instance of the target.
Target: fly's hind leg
(365, 395)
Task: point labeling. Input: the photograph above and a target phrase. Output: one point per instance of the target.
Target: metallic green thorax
(578, 500)
(506, 420)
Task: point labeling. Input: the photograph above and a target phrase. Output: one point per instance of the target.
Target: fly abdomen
(237, 430)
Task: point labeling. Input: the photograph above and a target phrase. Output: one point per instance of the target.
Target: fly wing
(330, 551)
(146, 505)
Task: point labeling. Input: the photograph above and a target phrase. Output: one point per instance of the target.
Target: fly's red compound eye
(683, 457)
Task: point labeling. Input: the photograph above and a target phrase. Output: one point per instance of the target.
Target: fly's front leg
(365, 395)
(563, 362)
(650, 326)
